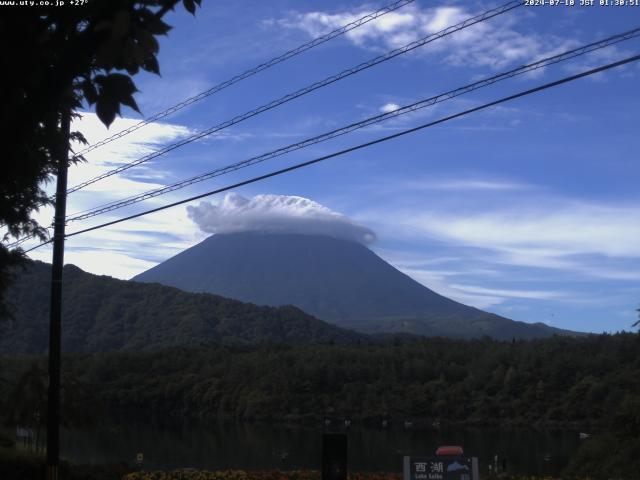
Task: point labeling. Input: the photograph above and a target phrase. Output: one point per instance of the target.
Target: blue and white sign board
(440, 468)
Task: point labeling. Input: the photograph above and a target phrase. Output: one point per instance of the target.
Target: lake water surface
(250, 447)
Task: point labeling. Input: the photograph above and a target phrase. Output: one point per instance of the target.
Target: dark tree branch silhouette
(56, 60)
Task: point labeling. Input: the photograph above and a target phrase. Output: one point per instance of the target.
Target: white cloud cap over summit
(276, 214)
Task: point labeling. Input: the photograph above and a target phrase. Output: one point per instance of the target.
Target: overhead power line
(451, 29)
(20, 241)
(362, 145)
(310, 88)
(249, 73)
(570, 54)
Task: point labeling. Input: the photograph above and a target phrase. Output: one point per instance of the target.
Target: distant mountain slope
(336, 280)
(105, 314)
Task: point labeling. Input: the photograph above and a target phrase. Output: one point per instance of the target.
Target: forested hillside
(104, 314)
(558, 381)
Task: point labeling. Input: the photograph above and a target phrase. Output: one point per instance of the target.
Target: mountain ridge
(101, 313)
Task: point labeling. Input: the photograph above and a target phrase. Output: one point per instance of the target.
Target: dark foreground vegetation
(591, 383)
(20, 465)
(560, 381)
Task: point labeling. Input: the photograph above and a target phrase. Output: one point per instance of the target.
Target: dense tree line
(590, 382)
(552, 382)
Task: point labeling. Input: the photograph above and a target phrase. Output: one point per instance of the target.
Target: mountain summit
(339, 281)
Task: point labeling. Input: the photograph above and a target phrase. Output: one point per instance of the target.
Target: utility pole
(55, 318)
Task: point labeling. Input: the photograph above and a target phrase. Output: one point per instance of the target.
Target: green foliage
(9, 263)
(6, 441)
(20, 465)
(104, 314)
(553, 382)
(24, 400)
(61, 59)
(606, 456)
(26, 403)
(591, 383)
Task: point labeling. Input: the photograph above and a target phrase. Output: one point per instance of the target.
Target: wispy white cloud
(129, 248)
(140, 142)
(440, 282)
(449, 273)
(531, 294)
(585, 240)
(121, 264)
(493, 44)
(319, 23)
(565, 229)
(135, 145)
(125, 250)
(466, 184)
(130, 147)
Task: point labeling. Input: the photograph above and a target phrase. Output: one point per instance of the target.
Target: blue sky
(529, 210)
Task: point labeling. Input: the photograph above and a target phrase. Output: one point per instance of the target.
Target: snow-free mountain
(340, 281)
